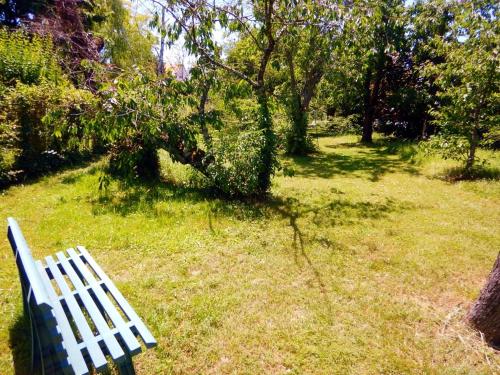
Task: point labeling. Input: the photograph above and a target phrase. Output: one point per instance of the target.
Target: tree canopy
(412, 71)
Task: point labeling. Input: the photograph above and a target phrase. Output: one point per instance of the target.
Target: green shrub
(138, 116)
(27, 59)
(340, 125)
(237, 161)
(45, 124)
(454, 147)
(8, 153)
(41, 113)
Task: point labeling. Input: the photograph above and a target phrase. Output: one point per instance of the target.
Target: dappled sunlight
(353, 159)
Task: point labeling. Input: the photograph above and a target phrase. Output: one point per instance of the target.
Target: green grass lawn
(365, 261)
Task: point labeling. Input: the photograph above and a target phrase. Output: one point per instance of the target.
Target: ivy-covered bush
(46, 121)
(42, 114)
(237, 160)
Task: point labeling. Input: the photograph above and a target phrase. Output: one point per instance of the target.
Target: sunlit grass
(364, 261)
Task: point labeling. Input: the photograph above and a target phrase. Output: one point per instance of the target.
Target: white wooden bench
(79, 319)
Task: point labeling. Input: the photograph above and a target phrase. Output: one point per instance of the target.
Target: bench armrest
(27, 269)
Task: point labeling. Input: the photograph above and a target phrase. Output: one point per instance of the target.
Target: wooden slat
(144, 332)
(110, 341)
(75, 292)
(126, 334)
(96, 355)
(75, 357)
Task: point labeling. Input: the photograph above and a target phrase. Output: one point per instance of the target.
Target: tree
(382, 34)
(264, 22)
(306, 51)
(373, 39)
(428, 21)
(68, 23)
(122, 33)
(485, 313)
(469, 81)
(140, 114)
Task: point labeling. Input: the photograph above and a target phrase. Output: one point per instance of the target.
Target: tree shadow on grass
(333, 210)
(373, 160)
(336, 211)
(456, 174)
(20, 345)
(143, 197)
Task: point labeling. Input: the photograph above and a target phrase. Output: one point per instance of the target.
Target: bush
(41, 114)
(340, 125)
(27, 59)
(8, 153)
(237, 162)
(44, 124)
(452, 147)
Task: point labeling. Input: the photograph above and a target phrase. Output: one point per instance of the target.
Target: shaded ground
(363, 262)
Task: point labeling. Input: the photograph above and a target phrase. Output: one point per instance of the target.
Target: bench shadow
(20, 344)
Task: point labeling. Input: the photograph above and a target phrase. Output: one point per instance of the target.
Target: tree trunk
(148, 164)
(161, 62)
(297, 142)
(485, 313)
(368, 110)
(297, 139)
(472, 151)
(265, 124)
(423, 134)
(372, 95)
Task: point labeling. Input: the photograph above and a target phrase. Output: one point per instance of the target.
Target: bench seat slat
(75, 292)
(102, 326)
(97, 356)
(123, 329)
(75, 356)
(143, 331)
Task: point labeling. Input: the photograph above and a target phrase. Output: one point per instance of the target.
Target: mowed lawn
(364, 261)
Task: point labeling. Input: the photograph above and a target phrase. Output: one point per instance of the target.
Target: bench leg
(36, 355)
(126, 367)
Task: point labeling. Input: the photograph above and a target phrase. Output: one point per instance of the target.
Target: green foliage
(468, 78)
(139, 116)
(237, 163)
(27, 59)
(47, 122)
(8, 152)
(343, 125)
(127, 43)
(41, 113)
(450, 146)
